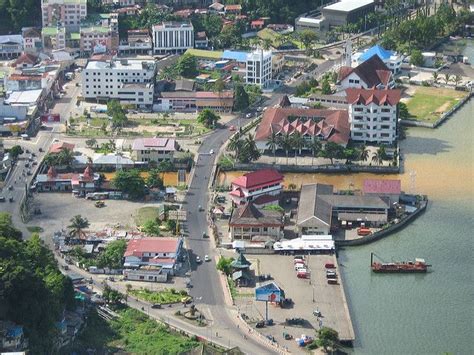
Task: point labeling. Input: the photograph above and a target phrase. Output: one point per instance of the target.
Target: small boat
(417, 266)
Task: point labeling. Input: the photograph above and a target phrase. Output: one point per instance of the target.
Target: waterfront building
(66, 13)
(129, 81)
(173, 37)
(373, 115)
(324, 125)
(250, 186)
(320, 209)
(392, 59)
(372, 73)
(259, 68)
(153, 149)
(390, 189)
(248, 222)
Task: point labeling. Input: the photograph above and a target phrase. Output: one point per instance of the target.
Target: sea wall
(384, 232)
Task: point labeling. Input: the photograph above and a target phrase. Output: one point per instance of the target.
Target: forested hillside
(15, 14)
(33, 292)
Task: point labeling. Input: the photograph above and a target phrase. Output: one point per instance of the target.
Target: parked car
(300, 266)
(295, 321)
(363, 231)
(298, 261)
(207, 258)
(40, 149)
(198, 260)
(2, 199)
(333, 282)
(248, 115)
(260, 324)
(156, 305)
(329, 266)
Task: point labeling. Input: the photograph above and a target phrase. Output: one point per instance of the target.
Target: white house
(259, 68)
(372, 73)
(373, 115)
(130, 81)
(174, 37)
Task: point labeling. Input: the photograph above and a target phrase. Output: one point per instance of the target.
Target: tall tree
(15, 152)
(187, 66)
(363, 153)
(241, 101)
(77, 226)
(298, 143)
(285, 142)
(333, 151)
(315, 146)
(130, 182)
(208, 118)
(272, 144)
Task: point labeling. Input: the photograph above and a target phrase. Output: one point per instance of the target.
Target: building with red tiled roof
(26, 60)
(373, 73)
(234, 9)
(78, 184)
(373, 115)
(325, 125)
(56, 148)
(391, 189)
(257, 24)
(253, 185)
(162, 252)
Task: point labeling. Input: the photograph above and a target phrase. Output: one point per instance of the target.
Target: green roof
(75, 35)
(201, 53)
(50, 31)
(241, 262)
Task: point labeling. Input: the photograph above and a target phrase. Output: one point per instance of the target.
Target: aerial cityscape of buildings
(206, 163)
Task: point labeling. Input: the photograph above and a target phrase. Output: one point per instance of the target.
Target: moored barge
(417, 266)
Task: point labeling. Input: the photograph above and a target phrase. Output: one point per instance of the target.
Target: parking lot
(308, 295)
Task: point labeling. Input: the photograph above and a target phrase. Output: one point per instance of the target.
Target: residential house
(12, 337)
(154, 149)
(234, 9)
(32, 40)
(201, 41)
(315, 24)
(11, 46)
(251, 224)
(390, 189)
(251, 186)
(372, 73)
(173, 37)
(373, 115)
(26, 60)
(216, 7)
(128, 11)
(158, 252)
(324, 125)
(257, 24)
(320, 210)
(392, 59)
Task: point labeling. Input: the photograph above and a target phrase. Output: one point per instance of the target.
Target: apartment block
(259, 68)
(173, 37)
(67, 13)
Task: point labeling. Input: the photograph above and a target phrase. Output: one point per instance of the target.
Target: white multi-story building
(67, 13)
(373, 115)
(175, 37)
(129, 81)
(259, 68)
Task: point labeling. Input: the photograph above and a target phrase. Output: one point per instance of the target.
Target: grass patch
(146, 213)
(166, 296)
(428, 104)
(133, 333)
(35, 229)
(233, 290)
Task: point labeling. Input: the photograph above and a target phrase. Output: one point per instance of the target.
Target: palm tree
(447, 77)
(78, 224)
(65, 157)
(457, 79)
(379, 156)
(435, 77)
(297, 141)
(285, 142)
(315, 146)
(235, 144)
(363, 153)
(272, 144)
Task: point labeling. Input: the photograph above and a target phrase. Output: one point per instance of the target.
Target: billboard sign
(268, 293)
(50, 117)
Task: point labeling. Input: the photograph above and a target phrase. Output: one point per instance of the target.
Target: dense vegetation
(133, 333)
(15, 14)
(33, 292)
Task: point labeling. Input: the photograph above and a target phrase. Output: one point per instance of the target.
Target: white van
(298, 267)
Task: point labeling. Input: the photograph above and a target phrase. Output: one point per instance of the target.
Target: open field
(428, 104)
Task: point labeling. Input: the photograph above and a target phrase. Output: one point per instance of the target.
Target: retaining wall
(385, 232)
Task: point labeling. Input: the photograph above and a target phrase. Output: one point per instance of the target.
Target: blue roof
(235, 55)
(15, 332)
(380, 51)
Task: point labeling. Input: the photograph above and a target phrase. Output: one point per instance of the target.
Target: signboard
(268, 293)
(177, 215)
(99, 47)
(50, 117)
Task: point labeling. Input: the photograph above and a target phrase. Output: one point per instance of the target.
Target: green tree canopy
(327, 337)
(77, 226)
(112, 256)
(151, 227)
(116, 111)
(15, 151)
(241, 101)
(187, 66)
(416, 58)
(333, 151)
(6, 227)
(130, 182)
(208, 118)
(326, 87)
(154, 180)
(224, 265)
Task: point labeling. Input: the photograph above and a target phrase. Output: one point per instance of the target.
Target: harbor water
(423, 313)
